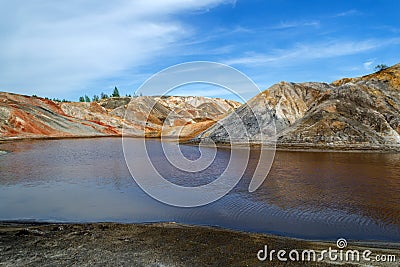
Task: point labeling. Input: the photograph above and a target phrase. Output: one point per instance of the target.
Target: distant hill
(351, 113)
(34, 117)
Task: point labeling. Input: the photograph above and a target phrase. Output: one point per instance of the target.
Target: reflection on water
(308, 195)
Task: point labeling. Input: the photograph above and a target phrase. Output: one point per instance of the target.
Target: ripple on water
(306, 195)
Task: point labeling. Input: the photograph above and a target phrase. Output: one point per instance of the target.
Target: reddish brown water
(316, 195)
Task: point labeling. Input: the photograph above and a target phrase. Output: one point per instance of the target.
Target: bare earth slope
(33, 117)
(351, 113)
(24, 116)
(361, 113)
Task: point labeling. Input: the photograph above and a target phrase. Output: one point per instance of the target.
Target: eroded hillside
(32, 117)
(350, 113)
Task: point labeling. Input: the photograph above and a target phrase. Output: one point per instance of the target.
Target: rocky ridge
(352, 113)
(35, 117)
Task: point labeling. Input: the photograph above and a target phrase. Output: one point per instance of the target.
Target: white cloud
(303, 52)
(48, 46)
(295, 24)
(368, 64)
(347, 13)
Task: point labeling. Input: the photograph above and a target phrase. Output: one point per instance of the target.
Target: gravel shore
(160, 244)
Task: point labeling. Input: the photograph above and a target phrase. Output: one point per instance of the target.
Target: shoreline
(279, 147)
(34, 223)
(156, 244)
(354, 148)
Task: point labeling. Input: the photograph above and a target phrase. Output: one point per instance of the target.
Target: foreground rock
(357, 113)
(32, 117)
(163, 244)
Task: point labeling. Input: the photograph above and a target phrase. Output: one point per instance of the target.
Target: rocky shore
(160, 244)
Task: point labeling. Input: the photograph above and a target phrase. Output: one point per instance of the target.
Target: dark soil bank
(162, 244)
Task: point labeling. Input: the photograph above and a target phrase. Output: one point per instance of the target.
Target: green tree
(380, 67)
(103, 95)
(87, 99)
(81, 99)
(116, 92)
(95, 98)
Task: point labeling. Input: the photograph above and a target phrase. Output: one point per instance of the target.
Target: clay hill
(351, 113)
(34, 117)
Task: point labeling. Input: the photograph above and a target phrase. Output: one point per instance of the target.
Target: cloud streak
(351, 12)
(303, 52)
(61, 46)
(295, 24)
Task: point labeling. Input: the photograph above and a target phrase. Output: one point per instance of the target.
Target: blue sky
(70, 48)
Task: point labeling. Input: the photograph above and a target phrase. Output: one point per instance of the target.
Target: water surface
(315, 195)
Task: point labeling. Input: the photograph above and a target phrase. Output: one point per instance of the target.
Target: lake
(313, 195)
